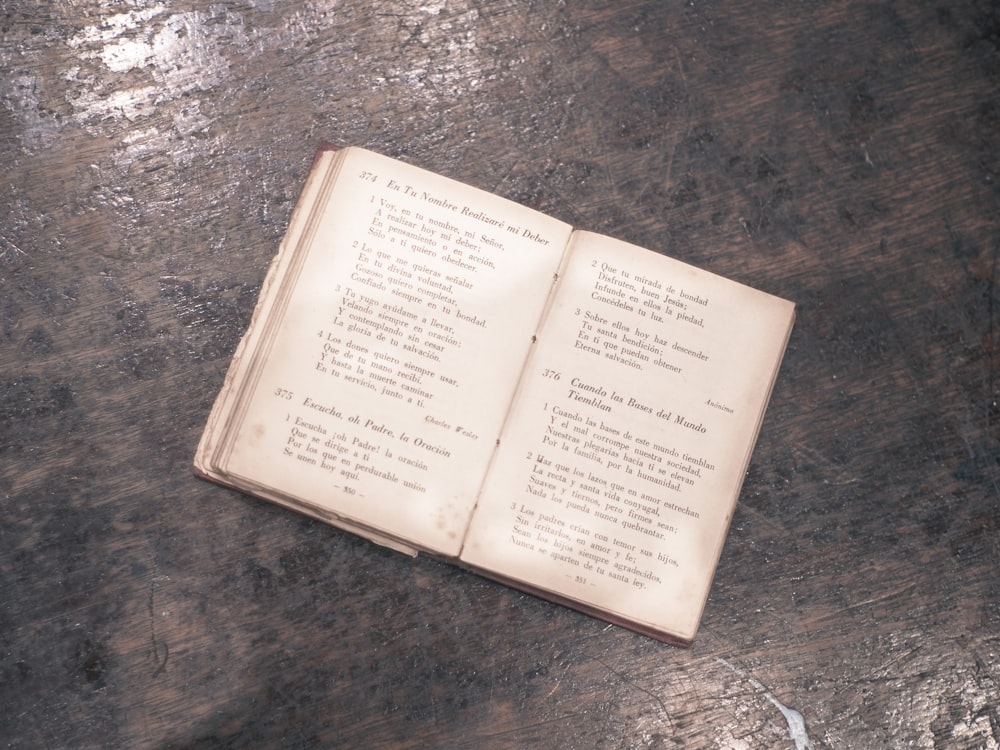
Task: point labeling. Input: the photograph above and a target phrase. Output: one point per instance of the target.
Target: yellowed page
(387, 364)
(617, 474)
(252, 349)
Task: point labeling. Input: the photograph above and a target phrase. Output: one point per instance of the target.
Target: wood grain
(845, 155)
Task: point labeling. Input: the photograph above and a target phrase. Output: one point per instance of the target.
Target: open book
(439, 369)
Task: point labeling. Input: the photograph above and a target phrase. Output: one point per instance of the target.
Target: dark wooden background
(843, 154)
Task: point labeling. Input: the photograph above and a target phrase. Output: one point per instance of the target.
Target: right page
(621, 462)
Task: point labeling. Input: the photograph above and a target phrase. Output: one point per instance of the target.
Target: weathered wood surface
(843, 154)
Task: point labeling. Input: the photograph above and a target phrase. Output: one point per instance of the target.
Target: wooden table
(844, 154)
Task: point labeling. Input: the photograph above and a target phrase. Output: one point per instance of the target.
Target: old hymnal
(439, 369)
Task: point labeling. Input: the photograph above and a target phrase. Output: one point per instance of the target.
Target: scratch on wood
(883, 597)
(10, 244)
(796, 722)
(161, 663)
(637, 686)
(686, 131)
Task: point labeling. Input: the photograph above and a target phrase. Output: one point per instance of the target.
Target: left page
(382, 358)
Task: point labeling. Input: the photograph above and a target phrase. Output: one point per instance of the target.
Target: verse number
(283, 393)
(553, 374)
